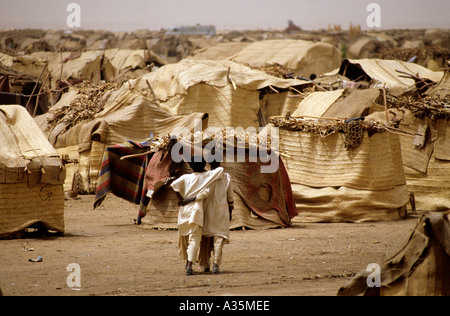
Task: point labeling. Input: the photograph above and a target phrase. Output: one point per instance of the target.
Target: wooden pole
(35, 86)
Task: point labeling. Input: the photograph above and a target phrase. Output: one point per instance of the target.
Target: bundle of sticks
(433, 107)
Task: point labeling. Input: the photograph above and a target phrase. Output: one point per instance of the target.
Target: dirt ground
(117, 257)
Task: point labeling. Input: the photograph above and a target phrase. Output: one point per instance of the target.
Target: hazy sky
(128, 15)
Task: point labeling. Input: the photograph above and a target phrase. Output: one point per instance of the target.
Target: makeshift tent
(385, 73)
(338, 167)
(31, 175)
(342, 170)
(419, 268)
(112, 117)
(304, 58)
(425, 145)
(229, 92)
(262, 200)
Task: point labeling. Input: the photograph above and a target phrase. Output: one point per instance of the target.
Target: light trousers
(189, 246)
(208, 245)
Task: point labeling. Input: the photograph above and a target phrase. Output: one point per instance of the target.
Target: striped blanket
(123, 178)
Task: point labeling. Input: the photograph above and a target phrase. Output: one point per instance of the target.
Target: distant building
(192, 30)
(292, 28)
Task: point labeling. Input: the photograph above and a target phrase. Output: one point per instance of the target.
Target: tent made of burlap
(31, 175)
(229, 92)
(390, 74)
(425, 145)
(419, 268)
(304, 58)
(125, 115)
(342, 171)
(426, 157)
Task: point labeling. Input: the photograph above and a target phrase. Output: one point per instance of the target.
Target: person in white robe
(216, 228)
(193, 188)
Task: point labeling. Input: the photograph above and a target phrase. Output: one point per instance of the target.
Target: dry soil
(117, 257)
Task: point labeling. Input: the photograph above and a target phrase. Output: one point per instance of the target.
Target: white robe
(217, 216)
(189, 185)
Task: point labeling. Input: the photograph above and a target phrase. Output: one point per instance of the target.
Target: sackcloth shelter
(109, 115)
(229, 92)
(425, 144)
(387, 73)
(419, 268)
(262, 200)
(304, 58)
(342, 170)
(31, 175)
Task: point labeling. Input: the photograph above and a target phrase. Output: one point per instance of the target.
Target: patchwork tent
(342, 170)
(229, 92)
(419, 268)
(31, 175)
(304, 58)
(262, 200)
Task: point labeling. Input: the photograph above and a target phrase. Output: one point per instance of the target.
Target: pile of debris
(90, 101)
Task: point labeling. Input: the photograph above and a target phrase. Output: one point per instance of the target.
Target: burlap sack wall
(333, 184)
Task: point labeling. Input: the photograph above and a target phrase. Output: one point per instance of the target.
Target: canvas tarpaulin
(419, 268)
(31, 174)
